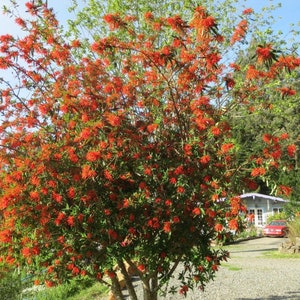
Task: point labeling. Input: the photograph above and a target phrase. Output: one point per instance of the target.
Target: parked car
(276, 228)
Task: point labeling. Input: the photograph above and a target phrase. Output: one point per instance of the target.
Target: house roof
(254, 195)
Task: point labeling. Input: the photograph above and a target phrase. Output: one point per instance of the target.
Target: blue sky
(289, 12)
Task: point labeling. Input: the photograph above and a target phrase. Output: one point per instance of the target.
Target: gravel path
(250, 275)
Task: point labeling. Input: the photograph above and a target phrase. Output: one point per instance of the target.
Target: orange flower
(87, 172)
(226, 147)
(57, 197)
(267, 138)
(167, 227)
(204, 159)
(113, 120)
(252, 73)
(5, 236)
(152, 127)
(208, 22)
(93, 156)
(148, 15)
(258, 171)
(49, 283)
(285, 190)
(247, 11)
(196, 211)
(233, 224)
(287, 91)
(26, 252)
(239, 32)
(218, 227)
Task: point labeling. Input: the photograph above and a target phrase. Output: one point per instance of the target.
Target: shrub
(10, 284)
(294, 229)
(63, 291)
(278, 216)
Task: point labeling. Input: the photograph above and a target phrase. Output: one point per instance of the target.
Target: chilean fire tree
(122, 156)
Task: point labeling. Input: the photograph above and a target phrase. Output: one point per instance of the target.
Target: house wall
(262, 208)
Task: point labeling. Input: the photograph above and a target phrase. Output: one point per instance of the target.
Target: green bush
(278, 216)
(63, 291)
(294, 229)
(10, 284)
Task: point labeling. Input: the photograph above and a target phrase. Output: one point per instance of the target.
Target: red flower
(26, 252)
(108, 175)
(291, 149)
(267, 138)
(113, 120)
(34, 195)
(93, 156)
(71, 192)
(141, 267)
(208, 22)
(57, 197)
(184, 289)
(5, 236)
(180, 190)
(154, 223)
(152, 127)
(233, 224)
(71, 221)
(226, 147)
(239, 32)
(87, 172)
(285, 190)
(113, 234)
(49, 283)
(167, 227)
(286, 91)
(252, 73)
(176, 219)
(215, 131)
(148, 15)
(247, 11)
(205, 159)
(258, 171)
(264, 53)
(218, 227)
(196, 211)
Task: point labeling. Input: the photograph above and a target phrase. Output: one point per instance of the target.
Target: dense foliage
(124, 152)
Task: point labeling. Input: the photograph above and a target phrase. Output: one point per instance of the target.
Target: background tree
(122, 153)
(273, 113)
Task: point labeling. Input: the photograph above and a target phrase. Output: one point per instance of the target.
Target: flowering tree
(122, 157)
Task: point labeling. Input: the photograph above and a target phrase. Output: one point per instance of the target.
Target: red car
(276, 228)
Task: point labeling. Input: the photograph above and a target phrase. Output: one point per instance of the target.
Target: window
(259, 216)
(277, 210)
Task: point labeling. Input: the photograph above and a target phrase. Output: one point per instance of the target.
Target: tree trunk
(116, 289)
(129, 285)
(150, 288)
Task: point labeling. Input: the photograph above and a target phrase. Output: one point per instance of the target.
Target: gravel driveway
(250, 275)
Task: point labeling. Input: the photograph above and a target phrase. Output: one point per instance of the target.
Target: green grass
(95, 292)
(277, 254)
(231, 267)
(83, 289)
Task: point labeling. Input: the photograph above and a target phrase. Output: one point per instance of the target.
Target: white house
(261, 206)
